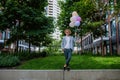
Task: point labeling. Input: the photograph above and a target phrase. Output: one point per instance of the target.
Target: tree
(26, 19)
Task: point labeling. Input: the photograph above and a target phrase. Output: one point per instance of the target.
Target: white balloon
(71, 24)
(74, 13)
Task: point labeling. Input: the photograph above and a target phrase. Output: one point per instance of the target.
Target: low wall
(60, 75)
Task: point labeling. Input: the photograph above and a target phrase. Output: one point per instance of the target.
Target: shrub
(26, 55)
(9, 61)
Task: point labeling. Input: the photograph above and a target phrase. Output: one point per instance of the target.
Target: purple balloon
(77, 23)
(78, 18)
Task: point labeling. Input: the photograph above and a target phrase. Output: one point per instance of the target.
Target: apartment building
(53, 8)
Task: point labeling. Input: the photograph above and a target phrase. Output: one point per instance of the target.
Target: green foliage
(23, 56)
(117, 7)
(9, 61)
(95, 28)
(85, 8)
(54, 47)
(66, 12)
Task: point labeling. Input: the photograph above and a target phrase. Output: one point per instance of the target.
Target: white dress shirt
(67, 38)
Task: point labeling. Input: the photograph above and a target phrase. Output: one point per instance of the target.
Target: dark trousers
(67, 53)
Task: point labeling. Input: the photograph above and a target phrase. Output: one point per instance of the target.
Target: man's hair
(67, 30)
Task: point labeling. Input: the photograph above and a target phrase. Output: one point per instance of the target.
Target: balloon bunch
(75, 19)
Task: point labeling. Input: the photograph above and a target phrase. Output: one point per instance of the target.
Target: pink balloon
(78, 18)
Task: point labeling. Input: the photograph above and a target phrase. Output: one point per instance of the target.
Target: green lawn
(77, 62)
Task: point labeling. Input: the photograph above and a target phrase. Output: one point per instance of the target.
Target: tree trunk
(81, 42)
(110, 41)
(17, 43)
(117, 37)
(102, 51)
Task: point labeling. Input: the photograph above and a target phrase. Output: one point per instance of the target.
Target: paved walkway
(106, 74)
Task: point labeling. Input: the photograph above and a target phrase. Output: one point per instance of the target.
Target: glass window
(113, 28)
(106, 30)
(3, 35)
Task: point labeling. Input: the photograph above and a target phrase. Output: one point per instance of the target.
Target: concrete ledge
(106, 74)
